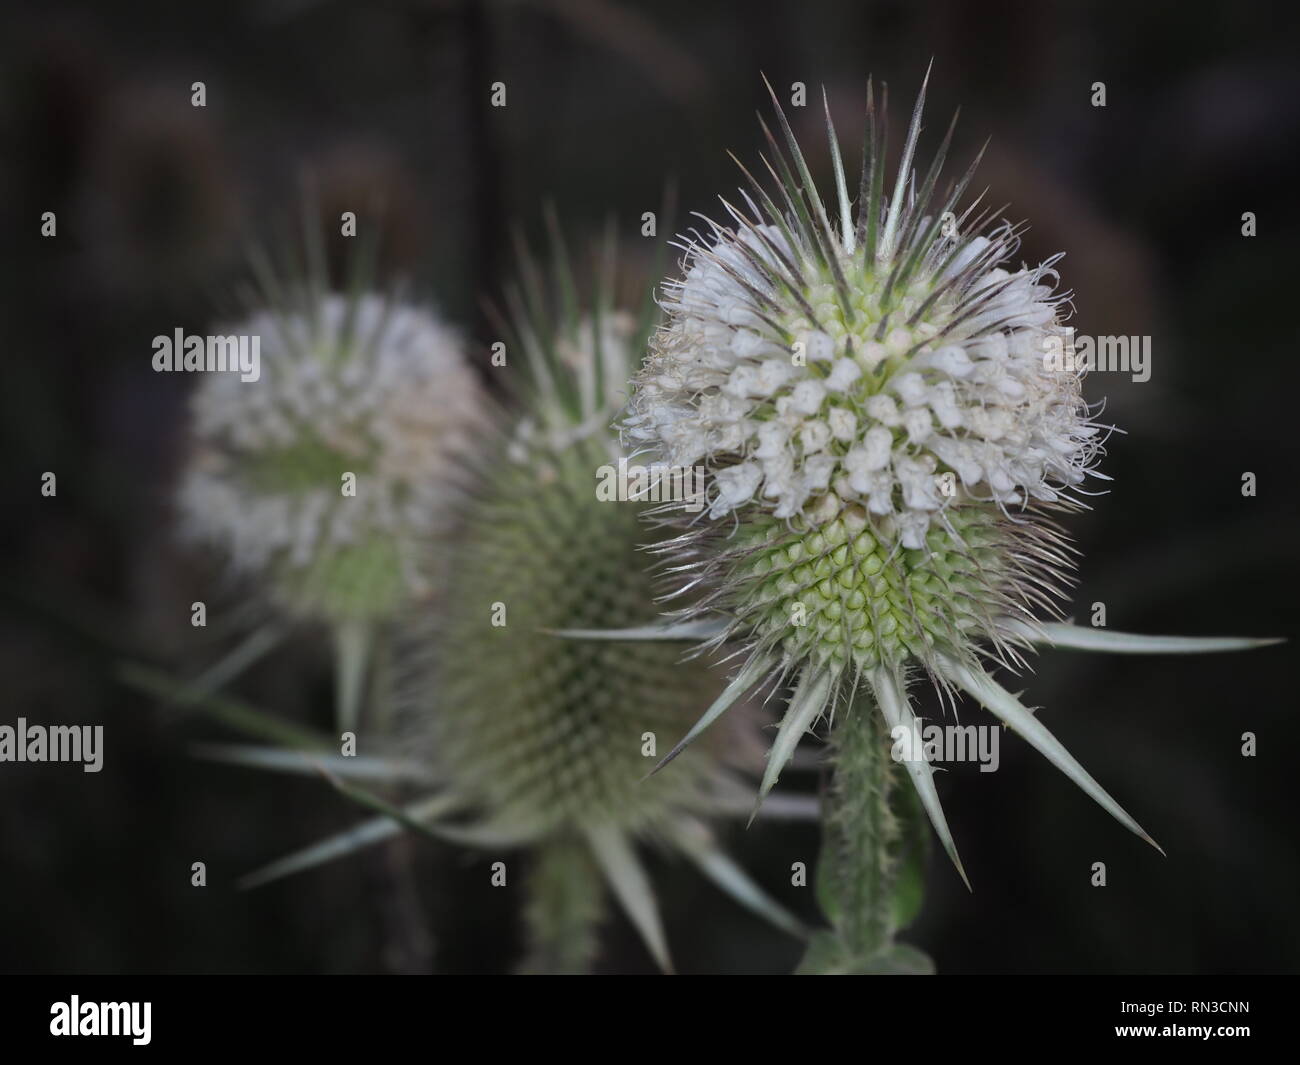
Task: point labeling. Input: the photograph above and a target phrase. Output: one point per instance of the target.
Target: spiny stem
(564, 910)
(861, 830)
(861, 871)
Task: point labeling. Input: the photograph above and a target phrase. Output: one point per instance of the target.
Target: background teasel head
(352, 383)
(545, 739)
(872, 391)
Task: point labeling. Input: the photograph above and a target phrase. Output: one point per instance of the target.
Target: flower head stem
(858, 867)
(566, 903)
(869, 832)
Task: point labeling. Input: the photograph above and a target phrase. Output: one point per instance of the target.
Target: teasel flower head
(324, 479)
(889, 440)
(542, 740)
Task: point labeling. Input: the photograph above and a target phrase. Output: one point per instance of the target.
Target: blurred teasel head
(323, 479)
(545, 740)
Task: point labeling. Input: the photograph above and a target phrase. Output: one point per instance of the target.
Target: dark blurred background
(387, 104)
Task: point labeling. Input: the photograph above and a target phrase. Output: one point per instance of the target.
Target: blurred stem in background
(364, 705)
(485, 164)
(566, 904)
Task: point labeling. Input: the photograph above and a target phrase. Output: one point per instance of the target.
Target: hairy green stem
(566, 903)
(860, 861)
(868, 876)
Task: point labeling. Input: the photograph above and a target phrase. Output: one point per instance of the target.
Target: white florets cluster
(850, 414)
(362, 386)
